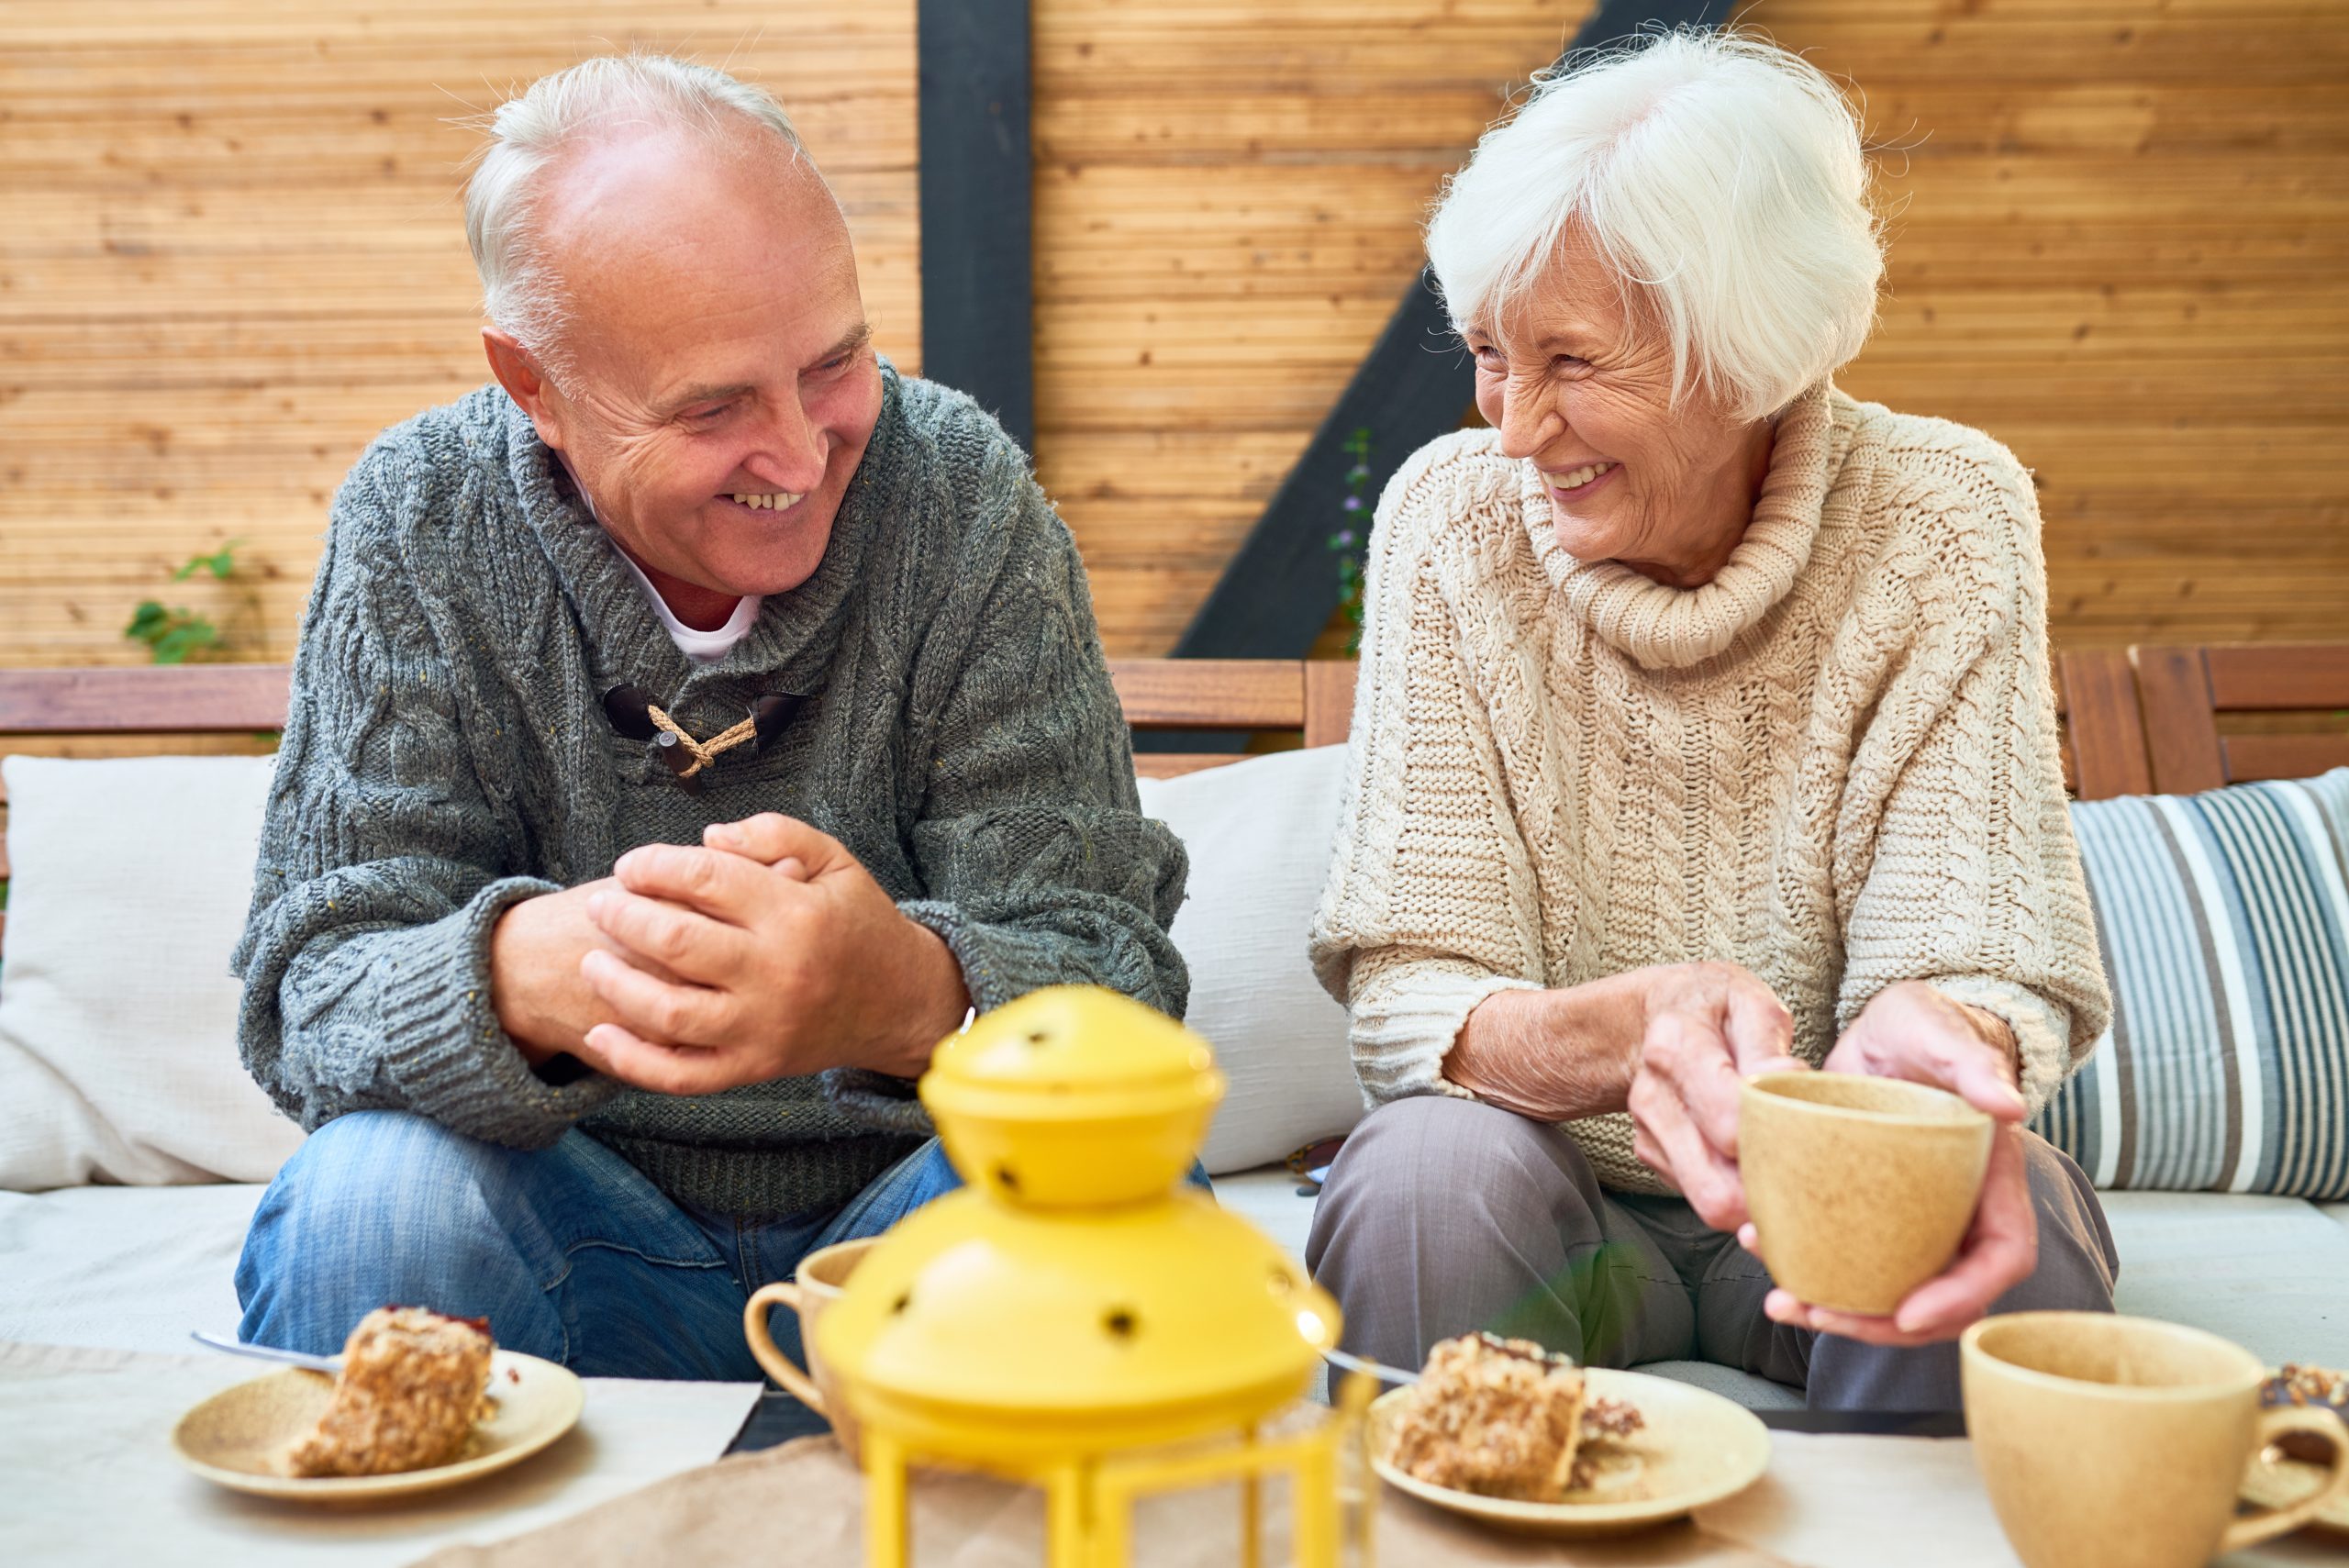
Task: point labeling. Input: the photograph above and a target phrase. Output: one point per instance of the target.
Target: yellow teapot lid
(1069, 1038)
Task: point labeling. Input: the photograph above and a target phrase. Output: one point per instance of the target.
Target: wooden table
(1843, 1491)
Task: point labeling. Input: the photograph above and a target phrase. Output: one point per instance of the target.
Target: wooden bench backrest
(2106, 750)
(1242, 695)
(2187, 693)
(2104, 737)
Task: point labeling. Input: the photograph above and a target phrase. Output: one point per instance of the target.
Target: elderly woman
(1705, 729)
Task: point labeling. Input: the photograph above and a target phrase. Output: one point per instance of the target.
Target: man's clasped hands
(767, 951)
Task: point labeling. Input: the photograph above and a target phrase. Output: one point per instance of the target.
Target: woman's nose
(1529, 422)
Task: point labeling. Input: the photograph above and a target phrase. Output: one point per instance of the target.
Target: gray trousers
(1445, 1215)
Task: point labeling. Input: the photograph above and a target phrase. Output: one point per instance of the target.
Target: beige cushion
(118, 1013)
(1259, 834)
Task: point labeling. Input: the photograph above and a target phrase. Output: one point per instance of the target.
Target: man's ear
(524, 381)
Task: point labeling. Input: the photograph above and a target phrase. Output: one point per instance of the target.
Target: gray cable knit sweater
(447, 755)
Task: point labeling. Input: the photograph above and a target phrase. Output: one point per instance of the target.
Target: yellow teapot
(1078, 1317)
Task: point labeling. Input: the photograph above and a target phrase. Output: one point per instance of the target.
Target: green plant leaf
(148, 621)
(189, 636)
(221, 563)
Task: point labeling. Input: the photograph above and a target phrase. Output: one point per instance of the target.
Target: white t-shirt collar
(701, 647)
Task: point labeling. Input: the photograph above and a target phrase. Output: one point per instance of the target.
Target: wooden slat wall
(232, 251)
(1227, 201)
(2123, 247)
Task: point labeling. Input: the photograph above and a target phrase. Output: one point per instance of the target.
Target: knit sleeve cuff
(1405, 1020)
(444, 1051)
(2042, 1031)
(1000, 964)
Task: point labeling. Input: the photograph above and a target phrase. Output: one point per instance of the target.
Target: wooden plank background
(1228, 205)
(233, 251)
(2121, 245)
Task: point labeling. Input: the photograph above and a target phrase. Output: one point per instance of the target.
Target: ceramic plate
(1697, 1448)
(2275, 1481)
(235, 1437)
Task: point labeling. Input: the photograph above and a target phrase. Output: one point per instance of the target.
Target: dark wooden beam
(977, 305)
(1281, 586)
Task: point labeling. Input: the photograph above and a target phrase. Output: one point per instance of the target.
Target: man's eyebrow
(855, 340)
(693, 395)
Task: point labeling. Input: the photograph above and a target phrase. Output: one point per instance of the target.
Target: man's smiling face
(719, 382)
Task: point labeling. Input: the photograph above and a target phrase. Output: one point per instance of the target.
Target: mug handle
(2273, 1522)
(754, 1328)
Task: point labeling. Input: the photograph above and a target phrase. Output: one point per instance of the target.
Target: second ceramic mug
(2120, 1442)
(814, 1285)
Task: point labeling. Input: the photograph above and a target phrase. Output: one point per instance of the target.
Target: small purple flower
(1353, 503)
(1345, 539)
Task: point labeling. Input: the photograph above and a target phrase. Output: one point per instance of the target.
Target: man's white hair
(1720, 176)
(595, 100)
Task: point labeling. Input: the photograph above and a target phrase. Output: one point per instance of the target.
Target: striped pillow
(2224, 922)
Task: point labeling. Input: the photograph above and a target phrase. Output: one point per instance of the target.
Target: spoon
(330, 1365)
(1378, 1370)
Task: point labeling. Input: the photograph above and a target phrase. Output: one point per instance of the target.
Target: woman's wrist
(1553, 1055)
(1998, 1034)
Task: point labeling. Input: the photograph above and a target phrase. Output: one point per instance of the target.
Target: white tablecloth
(87, 1475)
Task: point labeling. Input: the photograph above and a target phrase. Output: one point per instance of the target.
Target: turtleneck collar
(1660, 627)
(793, 639)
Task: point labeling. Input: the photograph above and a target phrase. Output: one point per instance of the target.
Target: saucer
(1694, 1448)
(234, 1438)
(2275, 1481)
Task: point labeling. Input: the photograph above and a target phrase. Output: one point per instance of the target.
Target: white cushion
(118, 1013)
(2271, 1273)
(136, 1268)
(1259, 833)
(1273, 1201)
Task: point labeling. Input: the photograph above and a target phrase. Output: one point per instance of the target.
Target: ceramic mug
(1860, 1188)
(815, 1285)
(2122, 1442)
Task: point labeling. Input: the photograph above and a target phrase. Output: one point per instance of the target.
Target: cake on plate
(411, 1387)
(1504, 1418)
(2313, 1387)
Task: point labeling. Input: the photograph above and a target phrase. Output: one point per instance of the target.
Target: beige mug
(815, 1285)
(1861, 1188)
(2122, 1442)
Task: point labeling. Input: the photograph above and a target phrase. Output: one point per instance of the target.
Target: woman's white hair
(594, 100)
(1720, 175)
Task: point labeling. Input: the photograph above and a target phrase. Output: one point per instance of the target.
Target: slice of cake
(2312, 1387)
(1505, 1419)
(410, 1389)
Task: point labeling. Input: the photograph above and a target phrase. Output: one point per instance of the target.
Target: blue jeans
(571, 1254)
(570, 1251)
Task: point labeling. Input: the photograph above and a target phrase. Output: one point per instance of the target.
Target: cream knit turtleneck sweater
(1835, 763)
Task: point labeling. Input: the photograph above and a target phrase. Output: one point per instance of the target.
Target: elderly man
(687, 733)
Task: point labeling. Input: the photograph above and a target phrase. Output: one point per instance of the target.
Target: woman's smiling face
(1578, 380)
